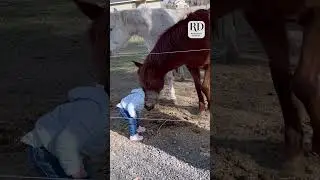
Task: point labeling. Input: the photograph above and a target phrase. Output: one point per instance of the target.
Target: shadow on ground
(253, 148)
(183, 140)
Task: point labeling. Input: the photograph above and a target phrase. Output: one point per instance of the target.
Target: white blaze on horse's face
(119, 36)
(151, 99)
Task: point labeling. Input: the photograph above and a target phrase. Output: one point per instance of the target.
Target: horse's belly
(197, 61)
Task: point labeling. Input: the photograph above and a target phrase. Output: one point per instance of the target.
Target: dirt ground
(248, 124)
(44, 53)
(187, 140)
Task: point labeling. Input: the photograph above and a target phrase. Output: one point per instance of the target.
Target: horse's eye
(111, 29)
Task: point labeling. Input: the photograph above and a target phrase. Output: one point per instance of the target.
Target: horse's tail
(93, 11)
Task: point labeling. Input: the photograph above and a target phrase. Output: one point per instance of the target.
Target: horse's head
(151, 84)
(119, 34)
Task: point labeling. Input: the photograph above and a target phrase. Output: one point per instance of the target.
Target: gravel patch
(129, 160)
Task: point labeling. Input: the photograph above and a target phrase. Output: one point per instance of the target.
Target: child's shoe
(141, 129)
(136, 137)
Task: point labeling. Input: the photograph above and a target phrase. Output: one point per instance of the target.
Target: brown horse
(98, 34)
(268, 19)
(156, 65)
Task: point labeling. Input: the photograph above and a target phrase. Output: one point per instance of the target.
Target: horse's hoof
(173, 98)
(313, 154)
(202, 107)
(173, 101)
(181, 79)
(201, 113)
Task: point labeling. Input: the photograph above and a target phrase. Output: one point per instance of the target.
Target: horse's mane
(170, 40)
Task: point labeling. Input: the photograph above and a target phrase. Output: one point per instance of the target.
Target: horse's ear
(137, 64)
(93, 11)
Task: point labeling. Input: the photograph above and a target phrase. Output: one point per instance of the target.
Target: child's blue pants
(47, 164)
(133, 123)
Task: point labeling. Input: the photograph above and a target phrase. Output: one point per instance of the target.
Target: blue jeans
(133, 123)
(47, 164)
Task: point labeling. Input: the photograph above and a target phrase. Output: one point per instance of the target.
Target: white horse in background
(148, 23)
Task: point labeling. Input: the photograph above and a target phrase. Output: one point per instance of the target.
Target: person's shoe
(141, 129)
(136, 137)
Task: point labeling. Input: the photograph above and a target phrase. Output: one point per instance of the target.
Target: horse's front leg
(306, 83)
(272, 33)
(171, 91)
(206, 85)
(195, 72)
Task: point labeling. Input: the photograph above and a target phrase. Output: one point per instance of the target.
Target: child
(66, 137)
(130, 109)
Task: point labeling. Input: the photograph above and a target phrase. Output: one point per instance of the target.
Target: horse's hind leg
(306, 83)
(206, 85)
(272, 33)
(181, 73)
(171, 91)
(195, 72)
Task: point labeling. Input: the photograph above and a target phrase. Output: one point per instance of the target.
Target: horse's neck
(144, 26)
(162, 65)
(163, 61)
(158, 69)
(172, 16)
